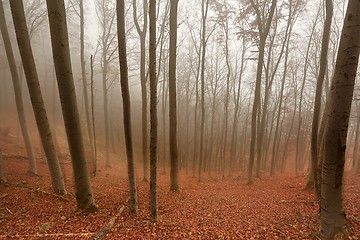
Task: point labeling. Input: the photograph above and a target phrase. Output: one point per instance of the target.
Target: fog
(229, 77)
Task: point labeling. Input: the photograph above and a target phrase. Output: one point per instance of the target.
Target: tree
(84, 82)
(204, 14)
(153, 110)
(126, 103)
(332, 214)
(62, 61)
(263, 31)
(319, 86)
(174, 185)
(18, 95)
(144, 106)
(23, 39)
(107, 45)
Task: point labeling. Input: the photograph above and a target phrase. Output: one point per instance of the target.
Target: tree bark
(153, 110)
(318, 94)
(263, 33)
(84, 82)
(174, 182)
(332, 222)
(144, 103)
(18, 95)
(124, 79)
(205, 7)
(93, 113)
(62, 61)
(57, 179)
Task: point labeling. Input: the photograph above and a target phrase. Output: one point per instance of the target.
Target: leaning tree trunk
(57, 179)
(339, 106)
(62, 61)
(174, 184)
(126, 104)
(17, 89)
(153, 110)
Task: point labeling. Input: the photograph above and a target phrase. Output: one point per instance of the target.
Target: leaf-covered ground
(275, 207)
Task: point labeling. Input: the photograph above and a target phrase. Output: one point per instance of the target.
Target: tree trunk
(144, 106)
(153, 110)
(332, 222)
(61, 55)
(93, 113)
(237, 108)
(106, 111)
(205, 7)
(263, 33)
(126, 104)
(84, 82)
(18, 95)
(318, 94)
(174, 182)
(57, 179)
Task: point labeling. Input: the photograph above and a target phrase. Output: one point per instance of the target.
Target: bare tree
(126, 103)
(17, 10)
(108, 48)
(204, 14)
(174, 184)
(85, 84)
(144, 106)
(62, 61)
(153, 110)
(263, 31)
(18, 95)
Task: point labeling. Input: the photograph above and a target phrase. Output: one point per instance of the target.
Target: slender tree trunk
(126, 103)
(263, 33)
(164, 107)
(332, 220)
(237, 109)
(287, 50)
(57, 179)
(106, 111)
(18, 95)
(61, 55)
(93, 113)
(153, 110)
(84, 82)
(174, 182)
(205, 7)
(144, 106)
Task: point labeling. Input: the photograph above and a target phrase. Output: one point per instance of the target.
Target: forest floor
(274, 207)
